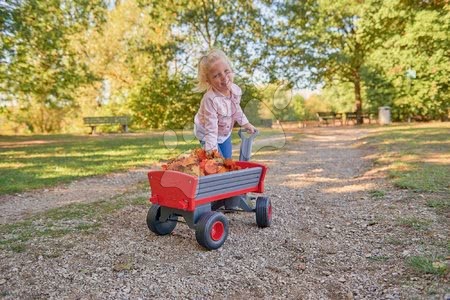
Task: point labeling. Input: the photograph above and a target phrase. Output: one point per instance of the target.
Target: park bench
(266, 123)
(325, 117)
(351, 116)
(93, 122)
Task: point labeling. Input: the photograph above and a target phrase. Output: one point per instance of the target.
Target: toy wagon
(199, 199)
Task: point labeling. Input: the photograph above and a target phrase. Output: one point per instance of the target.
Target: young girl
(219, 108)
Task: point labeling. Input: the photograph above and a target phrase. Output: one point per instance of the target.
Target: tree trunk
(358, 100)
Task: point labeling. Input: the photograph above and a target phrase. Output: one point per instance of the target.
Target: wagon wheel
(263, 212)
(212, 230)
(155, 225)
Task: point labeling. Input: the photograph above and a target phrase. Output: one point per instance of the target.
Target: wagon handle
(246, 144)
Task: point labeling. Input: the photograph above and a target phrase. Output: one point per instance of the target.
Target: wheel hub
(217, 230)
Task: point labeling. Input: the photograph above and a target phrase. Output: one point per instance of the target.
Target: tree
(339, 96)
(236, 27)
(126, 53)
(413, 65)
(325, 41)
(39, 68)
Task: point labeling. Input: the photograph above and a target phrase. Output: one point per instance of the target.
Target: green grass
(75, 218)
(439, 204)
(378, 258)
(377, 194)
(417, 157)
(39, 161)
(421, 176)
(415, 223)
(427, 265)
(43, 161)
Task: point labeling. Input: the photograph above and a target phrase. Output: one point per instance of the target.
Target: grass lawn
(416, 156)
(39, 161)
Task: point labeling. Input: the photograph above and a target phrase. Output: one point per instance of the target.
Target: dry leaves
(201, 163)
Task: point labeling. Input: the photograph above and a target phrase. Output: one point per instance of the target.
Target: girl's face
(220, 77)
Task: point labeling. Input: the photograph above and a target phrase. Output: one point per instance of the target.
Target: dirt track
(329, 240)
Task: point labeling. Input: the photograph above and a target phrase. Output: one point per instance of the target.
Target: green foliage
(250, 101)
(326, 41)
(372, 45)
(414, 78)
(339, 97)
(129, 53)
(236, 27)
(164, 102)
(279, 102)
(39, 68)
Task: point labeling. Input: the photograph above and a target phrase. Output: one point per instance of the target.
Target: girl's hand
(249, 128)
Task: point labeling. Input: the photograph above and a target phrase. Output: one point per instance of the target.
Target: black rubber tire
(263, 212)
(212, 230)
(156, 226)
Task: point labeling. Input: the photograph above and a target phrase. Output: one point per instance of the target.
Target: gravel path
(18, 206)
(329, 239)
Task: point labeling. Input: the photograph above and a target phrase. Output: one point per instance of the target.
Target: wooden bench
(351, 116)
(266, 123)
(325, 117)
(93, 122)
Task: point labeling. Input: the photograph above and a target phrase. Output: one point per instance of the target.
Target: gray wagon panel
(228, 182)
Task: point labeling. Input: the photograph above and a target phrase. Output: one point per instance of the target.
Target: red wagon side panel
(173, 189)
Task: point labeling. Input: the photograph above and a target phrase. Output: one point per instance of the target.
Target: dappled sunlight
(297, 184)
(268, 162)
(294, 152)
(396, 141)
(261, 152)
(61, 171)
(294, 180)
(434, 158)
(323, 138)
(377, 171)
(338, 185)
(351, 188)
(440, 159)
(13, 165)
(410, 158)
(25, 143)
(400, 166)
(320, 179)
(433, 143)
(338, 146)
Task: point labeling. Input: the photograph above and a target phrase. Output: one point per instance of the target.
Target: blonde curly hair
(204, 65)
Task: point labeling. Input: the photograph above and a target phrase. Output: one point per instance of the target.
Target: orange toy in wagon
(201, 200)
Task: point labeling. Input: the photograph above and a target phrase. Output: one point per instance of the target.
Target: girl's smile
(220, 77)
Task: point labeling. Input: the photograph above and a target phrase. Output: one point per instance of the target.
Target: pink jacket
(216, 116)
